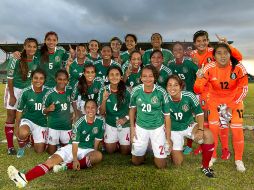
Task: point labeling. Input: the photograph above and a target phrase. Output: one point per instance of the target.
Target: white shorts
(66, 153)
(177, 137)
(39, 133)
(17, 94)
(112, 135)
(57, 136)
(157, 138)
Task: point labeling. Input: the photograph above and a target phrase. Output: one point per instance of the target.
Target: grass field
(116, 171)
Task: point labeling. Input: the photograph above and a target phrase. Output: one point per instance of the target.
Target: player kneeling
(82, 152)
(182, 105)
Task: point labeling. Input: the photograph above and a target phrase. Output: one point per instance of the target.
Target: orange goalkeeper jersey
(225, 86)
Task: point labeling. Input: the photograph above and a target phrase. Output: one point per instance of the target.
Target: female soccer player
(87, 87)
(29, 117)
(56, 105)
(114, 105)
(156, 58)
(183, 67)
(103, 64)
(82, 152)
(130, 43)
(132, 70)
(94, 46)
(228, 84)
(182, 105)
(156, 41)
(116, 45)
(19, 77)
(149, 119)
(76, 68)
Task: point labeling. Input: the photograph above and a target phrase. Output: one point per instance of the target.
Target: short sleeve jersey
(167, 55)
(94, 59)
(125, 56)
(92, 91)
(85, 133)
(101, 70)
(186, 71)
(60, 118)
(181, 113)
(13, 72)
(30, 104)
(163, 76)
(151, 107)
(57, 61)
(113, 110)
(76, 70)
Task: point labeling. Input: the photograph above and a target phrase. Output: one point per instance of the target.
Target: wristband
(127, 117)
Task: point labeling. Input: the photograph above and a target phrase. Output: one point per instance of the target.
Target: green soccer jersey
(186, 71)
(30, 104)
(76, 70)
(60, 118)
(85, 134)
(101, 70)
(164, 73)
(181, 112)
(167, 56)
(94, 59)
(125, 56)
(57, 61)
(151, 107)
(14, 72)
(134, 78)
(114, 111)
(92, 91)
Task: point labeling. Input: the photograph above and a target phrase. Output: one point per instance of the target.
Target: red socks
(9, 130)
(37, 171)
(207, 152)
(84, 163)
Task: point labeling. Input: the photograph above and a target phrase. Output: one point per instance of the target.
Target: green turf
(116, 171)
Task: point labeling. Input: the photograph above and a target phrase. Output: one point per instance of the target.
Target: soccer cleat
(59, 168)
(187, 150)
(225, 154)
(11, 151)
(240, 166)
(18, 178)
(208, 172)
(198, 151)
(21, 152)
(212, 161)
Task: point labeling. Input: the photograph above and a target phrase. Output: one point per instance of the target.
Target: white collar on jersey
(173, 100)
(34, 90)
(153, 87)
(57, 91)
(86, 119)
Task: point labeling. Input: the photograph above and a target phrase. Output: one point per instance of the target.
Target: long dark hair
(233, 60)
(121, 88)
(82, 83)
(23, 67)
(44, 48)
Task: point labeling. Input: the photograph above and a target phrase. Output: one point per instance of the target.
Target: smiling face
(178, 51)
(61, 81)
(38, 80)
(114, 76)
(147, 77)
(89, 74)
(30, 48)
(51, 42)
(81, 52)
(174, 88)
(93, 47)
(157, 59)
(106, 53)
(222, 56)
(130, 43)
(90, 109)
(201, 43)
(135, 60)
(115, 45)
(156, 41)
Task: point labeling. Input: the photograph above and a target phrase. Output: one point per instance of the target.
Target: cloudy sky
(177, 20)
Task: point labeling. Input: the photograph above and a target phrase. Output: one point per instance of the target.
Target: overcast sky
(80, 21)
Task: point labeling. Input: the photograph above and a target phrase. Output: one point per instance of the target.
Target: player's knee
(136, 161)
(208, 136)
(161, 163)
